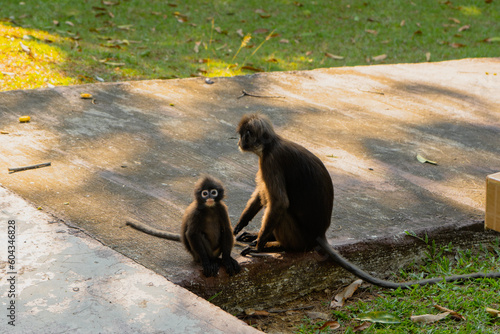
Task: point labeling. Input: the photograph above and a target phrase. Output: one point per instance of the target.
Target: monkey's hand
(210, 268)
(232, 266)
(247, 237)
(237, 229)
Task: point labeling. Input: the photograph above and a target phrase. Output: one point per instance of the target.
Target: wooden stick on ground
(20, 169)
(262, 96)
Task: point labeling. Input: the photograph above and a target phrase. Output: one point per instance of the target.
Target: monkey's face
(255, 131)
(208, 191)
(209, 196)
(249, 142)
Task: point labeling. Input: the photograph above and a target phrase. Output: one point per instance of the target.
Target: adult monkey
(296, 189)
(206, 229)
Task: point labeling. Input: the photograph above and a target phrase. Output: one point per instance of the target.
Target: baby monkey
(206, 229)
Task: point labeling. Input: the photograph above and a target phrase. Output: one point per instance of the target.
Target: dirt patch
(311, 312)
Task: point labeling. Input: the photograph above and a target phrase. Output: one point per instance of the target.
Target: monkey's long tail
(352, 268)
(153, 231)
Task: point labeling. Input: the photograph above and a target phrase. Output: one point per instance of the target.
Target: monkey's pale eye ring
(214, 192)
(204, 193)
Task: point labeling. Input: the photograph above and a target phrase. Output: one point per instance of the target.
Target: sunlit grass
(162, 40)
(37, 68)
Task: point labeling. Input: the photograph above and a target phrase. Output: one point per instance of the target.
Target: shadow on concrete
(137, 150)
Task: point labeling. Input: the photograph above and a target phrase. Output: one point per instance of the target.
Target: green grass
(470, 298)
(131, 39)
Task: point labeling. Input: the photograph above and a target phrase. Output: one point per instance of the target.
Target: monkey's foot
(211, 269)
(232, 266)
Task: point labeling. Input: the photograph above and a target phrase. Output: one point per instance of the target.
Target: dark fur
(296, 190)
(205, 231)
(293, 185)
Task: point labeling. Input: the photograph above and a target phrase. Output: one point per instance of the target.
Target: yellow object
(85, 96)
(492, 220)
(24, 119)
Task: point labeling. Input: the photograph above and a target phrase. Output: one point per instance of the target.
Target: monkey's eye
(214, 192)
(204, 193)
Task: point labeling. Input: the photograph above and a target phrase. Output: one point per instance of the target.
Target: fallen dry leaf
(180, 17)
(380, 57)
(492, 39)
(457, 45)
(428, 56)
(493, 312)
(373, 32)
(341, 297)
(457, 21)
(423, 160)
(261, 31)
(252, 312)
(251, 68)
(330, 324)
(110, 3)
(463, 28)
(197, 47)
(428, 318)
(25, 48)
(111, 63)
(455, 315)
(240, 33)
(329, 55)
(127, 27)
(361, 327)
(284, 41)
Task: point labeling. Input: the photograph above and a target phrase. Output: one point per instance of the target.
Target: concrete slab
(65, 281)
(137, 150)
